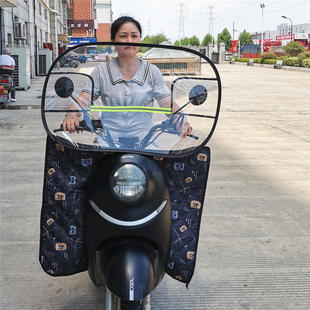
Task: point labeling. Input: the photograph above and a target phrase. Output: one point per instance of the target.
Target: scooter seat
(6, 71)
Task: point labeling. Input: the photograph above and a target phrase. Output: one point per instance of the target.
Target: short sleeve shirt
(6, 60)
(146, 85)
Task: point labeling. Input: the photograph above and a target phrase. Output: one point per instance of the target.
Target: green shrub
(283, 57)
(242, 59)
(267, 55)
(293, 48)
(270, 61)
(302, 56)
(291, 61)
(306, 63)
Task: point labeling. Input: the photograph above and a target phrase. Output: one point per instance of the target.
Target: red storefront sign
(81, 23)
(285, 37)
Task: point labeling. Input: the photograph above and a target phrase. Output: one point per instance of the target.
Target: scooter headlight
(129, 183)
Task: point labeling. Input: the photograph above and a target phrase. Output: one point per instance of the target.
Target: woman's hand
(182, 125)
(70, 122)
(72, 118)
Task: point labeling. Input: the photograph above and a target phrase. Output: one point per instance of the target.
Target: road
(255, 235)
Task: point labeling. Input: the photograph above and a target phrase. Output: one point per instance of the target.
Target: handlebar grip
(194, 137)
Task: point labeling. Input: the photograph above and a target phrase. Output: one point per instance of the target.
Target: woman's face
(127, 33)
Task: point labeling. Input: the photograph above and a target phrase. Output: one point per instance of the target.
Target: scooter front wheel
(115, 303)
(130, 305)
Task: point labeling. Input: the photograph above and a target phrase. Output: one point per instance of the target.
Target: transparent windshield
(168, 104)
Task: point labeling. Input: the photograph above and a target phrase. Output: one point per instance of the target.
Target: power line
(149, 27)
(211, 31)
(181, 22)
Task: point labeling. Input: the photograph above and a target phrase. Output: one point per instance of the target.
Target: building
(104, 17)
(89, 21)
(300, 32)
(267, 35)
(81, 20)
(283, 33)
(36, 32)
(285, 29)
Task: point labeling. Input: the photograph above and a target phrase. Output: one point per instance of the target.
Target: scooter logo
(132, 289)
(158, 158)
(128, 156)
(72, 180)
(72, 230)
(61, 247)
(60, 196)
(59, 147)
(175, 214)
(201, 157)
(188, 180)
(179, 166)
(86, 162)
(51, 171)
(50, 221)
(183, 228)
(190, 255)
(195, 204)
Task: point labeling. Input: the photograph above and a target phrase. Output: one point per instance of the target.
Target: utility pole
(149, 28)
(181, 22)
(211, 31)
(262, 5)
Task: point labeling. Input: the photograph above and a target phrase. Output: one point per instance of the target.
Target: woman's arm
(71, 119)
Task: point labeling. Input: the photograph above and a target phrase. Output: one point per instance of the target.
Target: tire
(130, 305)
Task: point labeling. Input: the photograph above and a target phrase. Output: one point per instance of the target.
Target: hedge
(302, 60)
(291, 61)
(306, 63)
(270, 61)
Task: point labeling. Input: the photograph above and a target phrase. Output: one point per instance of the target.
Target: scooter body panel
(130, 267)
(137, 253)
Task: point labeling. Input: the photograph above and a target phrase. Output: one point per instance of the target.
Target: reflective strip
(128, 223)
(130, 109)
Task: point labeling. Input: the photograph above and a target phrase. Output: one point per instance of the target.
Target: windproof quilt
(62, 220)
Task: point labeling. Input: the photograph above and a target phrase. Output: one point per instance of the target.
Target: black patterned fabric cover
(65, 181)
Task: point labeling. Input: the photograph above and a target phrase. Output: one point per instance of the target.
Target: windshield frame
(187, 152)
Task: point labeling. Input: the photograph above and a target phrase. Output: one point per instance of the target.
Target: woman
(126, 81)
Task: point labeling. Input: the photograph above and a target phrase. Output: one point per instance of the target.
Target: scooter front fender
(129, 269)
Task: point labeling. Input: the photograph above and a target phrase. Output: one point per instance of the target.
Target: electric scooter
(128, 213)
(6, 81)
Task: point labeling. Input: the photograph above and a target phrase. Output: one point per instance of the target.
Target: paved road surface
(255, 235)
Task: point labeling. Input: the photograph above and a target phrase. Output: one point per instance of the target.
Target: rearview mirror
(198, 95)
(64, 87)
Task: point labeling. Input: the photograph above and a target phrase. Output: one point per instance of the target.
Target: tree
(293, 48)
(176, 43)
(184, 42)
(157, 39)
(207, 40)
(245, 38)
(225, 37)
(194, 40)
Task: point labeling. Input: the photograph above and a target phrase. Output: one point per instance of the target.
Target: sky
(163, 16)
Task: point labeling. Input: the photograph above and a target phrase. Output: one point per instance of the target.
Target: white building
(36, 32)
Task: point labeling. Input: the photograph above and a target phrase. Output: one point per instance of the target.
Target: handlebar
(167, 126)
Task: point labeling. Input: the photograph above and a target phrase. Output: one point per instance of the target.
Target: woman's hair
(123, 20)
